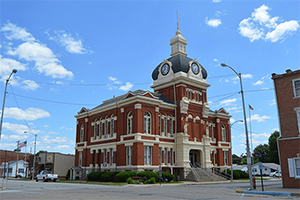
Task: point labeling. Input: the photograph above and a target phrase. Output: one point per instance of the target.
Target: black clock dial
(195, 68)
(165, 69)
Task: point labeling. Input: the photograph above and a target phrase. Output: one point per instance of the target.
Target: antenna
(177, 21)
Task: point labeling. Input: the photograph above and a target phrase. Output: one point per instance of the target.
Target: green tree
(273, 148)
(236, 159)
(261, 153)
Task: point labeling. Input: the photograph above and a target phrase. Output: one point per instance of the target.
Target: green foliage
(243, 174)
(94, 176)
(123, 176)
(261, 153)
(166, 175)
(237, 174)
(236, 159)
(273, 148)
(129, 180)
(148, 174)
(67, 177)
(108, 176)
(151, 180)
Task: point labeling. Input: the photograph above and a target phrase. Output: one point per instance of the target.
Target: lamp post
(231, 171)
(245, 120)
(33, 171)
(7, 80)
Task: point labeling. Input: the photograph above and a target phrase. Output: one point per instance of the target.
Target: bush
(108, 176)
(129, 180)
(67, 177)
(168, 176)
(151, 180)
(243, 174)
(94, 176)
(148, 174)
(123, 176)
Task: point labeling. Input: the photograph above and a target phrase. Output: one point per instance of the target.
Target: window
(159, 155)
(81, 133)
(171, 125)
(225, 157)
(112, 124)
(100, 129)
(147, 123)
(111, 156)
(171, 156)
(129, 123)
(165, 125)
(129, 155)
(296, 85)
(21, 170)
(95, 129)
(298, 119)
(213, 158)
(106, 128)
(212, 131)
(294, 167)
(159, 124)
(105, 156)
(79, 158)
(147, 155)
(165, 156)
(223, 133)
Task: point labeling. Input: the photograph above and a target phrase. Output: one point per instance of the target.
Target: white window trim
(292, 167)
(294, 89)
(297, 110)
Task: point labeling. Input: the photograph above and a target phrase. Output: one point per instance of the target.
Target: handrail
(194, 172)
(199, 167)
(224, 174)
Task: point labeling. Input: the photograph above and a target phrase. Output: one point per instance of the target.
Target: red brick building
(171, 127)
(287, 88)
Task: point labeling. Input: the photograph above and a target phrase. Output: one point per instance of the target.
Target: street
(54, 190)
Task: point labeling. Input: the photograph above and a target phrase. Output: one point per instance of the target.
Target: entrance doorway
(195, 158)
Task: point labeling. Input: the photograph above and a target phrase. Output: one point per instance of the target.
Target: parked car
(275, 174)
(46, 176)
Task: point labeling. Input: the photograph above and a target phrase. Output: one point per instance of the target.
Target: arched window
(81, 133)
(95, 129)
(165, 125)
(112, 124)
(129, 123)
(147, 123)
(223, 133)
(100, 128)
(159, 124)
(106, 127)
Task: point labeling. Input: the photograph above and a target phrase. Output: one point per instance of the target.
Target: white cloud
(283, 30)
(72, 45)
(56, 140)
(62, 147)
(126, 87)
(213, 22)
(262, 26)
(216, 1)
(18, 128)
(30, 85)
(216, 60)
(45, 61)
(261, 135)
(12, 31)
(8, 64)
(29, 114)
(273, 102)
(257, 117)
(259, 82)
(228, 102)
(14, 137)
(243, 77)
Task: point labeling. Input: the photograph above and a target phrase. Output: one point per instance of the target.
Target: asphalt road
(53, 190)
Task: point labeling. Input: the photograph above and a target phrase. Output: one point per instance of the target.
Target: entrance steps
(202, 175)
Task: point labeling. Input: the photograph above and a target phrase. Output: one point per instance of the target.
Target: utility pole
(17, 158)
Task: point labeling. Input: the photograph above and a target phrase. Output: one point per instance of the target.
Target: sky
(74, 54)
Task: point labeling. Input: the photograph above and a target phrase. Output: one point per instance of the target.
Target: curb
(265, 192)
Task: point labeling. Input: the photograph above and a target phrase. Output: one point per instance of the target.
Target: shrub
(168, 176)
(94, 176)
(148, 174)
(67, 177)
(123, 176)
(129, 180)
(108, 176)
(236, 174)
(243, 174)
(151, 180)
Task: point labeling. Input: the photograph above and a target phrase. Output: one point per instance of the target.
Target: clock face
(165, 69)
(195, 68)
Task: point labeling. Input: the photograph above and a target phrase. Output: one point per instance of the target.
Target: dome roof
(180, 63)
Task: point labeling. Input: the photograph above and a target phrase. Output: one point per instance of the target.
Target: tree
(273, 148)
(261, 153)
(236, 159)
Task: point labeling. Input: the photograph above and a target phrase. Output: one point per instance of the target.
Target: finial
(178, 31)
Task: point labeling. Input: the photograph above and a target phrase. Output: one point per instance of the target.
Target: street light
(245, 120)
(7, 80)
(33, 171)
(231, 148)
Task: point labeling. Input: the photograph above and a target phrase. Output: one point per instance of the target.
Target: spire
(178, 42)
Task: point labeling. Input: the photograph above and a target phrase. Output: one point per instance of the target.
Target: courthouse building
(170, 127)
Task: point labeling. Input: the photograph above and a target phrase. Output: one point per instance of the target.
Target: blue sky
(74, 54)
